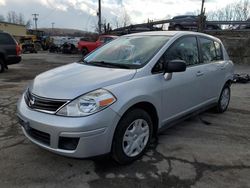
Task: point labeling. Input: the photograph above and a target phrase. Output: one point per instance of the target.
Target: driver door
(181, 93)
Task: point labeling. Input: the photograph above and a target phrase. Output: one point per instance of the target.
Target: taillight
(18, 50)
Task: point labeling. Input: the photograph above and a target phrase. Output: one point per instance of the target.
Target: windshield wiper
(108, 64)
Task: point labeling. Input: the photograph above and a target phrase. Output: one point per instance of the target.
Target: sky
(82, 14)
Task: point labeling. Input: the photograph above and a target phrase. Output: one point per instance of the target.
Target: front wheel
(224, 99)
(132, 136)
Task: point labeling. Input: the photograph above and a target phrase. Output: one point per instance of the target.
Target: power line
(35, 19)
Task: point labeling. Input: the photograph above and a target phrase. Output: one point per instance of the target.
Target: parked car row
(75, 45)
(10, 50)
(86, 46)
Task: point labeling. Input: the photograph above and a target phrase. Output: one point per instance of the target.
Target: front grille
(43, 104)
(39, 136)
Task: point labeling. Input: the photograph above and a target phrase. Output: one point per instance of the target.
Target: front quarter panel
(144, 89)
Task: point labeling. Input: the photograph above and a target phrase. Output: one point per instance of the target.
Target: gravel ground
(190, 154)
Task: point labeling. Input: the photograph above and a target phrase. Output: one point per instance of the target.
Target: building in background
(15, 30)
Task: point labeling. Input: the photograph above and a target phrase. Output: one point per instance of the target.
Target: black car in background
(189, 22)
(9, 51)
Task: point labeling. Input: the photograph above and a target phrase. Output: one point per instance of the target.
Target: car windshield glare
(131, 51)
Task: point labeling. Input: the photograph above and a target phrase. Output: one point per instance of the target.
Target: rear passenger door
(213, 67)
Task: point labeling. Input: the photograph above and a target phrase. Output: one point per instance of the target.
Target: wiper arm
(82, 60)
(108, 64)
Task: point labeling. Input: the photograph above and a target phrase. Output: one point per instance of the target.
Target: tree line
(16, 18)
(238, 11)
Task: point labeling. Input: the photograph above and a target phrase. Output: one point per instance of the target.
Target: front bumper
(14, 59)
(93, 133)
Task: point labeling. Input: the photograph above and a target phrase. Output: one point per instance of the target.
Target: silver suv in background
(124, 93)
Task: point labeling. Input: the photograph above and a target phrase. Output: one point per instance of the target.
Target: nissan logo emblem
(32, 101)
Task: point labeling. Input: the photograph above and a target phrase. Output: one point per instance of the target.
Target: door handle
(222, 67)
(199, 73)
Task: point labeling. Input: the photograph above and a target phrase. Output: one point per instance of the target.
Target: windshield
(127, 52)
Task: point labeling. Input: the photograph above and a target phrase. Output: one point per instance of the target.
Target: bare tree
(20, 19)
(126, 20)
(238, 11)
(116, 22)
(12, 17)
(28, 24)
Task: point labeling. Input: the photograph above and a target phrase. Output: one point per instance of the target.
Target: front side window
(185, 49)
(130, 51)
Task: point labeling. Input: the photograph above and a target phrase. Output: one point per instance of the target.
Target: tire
(210, 27)
(132, 136)
(37, 46)
(2, 66)
(224, 99)
(84, 52)
(177, 28)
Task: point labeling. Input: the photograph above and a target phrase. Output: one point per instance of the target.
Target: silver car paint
(70, 81)
(172, 98)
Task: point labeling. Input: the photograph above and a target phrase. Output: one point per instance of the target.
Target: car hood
(73, 80)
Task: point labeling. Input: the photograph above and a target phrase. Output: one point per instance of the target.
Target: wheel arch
(150, 109)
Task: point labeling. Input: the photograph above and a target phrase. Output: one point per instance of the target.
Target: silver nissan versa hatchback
(122, 94)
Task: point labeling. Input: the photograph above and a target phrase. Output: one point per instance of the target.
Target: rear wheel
(2, 66)
(224, 99)
(177, 28)
(132, 136)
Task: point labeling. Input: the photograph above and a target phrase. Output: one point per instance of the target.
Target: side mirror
(175, 66)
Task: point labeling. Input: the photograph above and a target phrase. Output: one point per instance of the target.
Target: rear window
(6, 39)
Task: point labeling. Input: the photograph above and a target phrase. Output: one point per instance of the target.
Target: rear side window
(219, 55)
(208, 50)
(6, 39)
(184, 49)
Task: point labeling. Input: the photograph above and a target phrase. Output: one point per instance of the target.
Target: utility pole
(202, 6)
(35, 19)
(202, 19)
(99, 14)
(52, 27)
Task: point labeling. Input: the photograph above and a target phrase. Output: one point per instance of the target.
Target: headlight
(88, 104)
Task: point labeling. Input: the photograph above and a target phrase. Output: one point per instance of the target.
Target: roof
(171, 34)
(167, 33)
(183, 16)
(113, 36)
